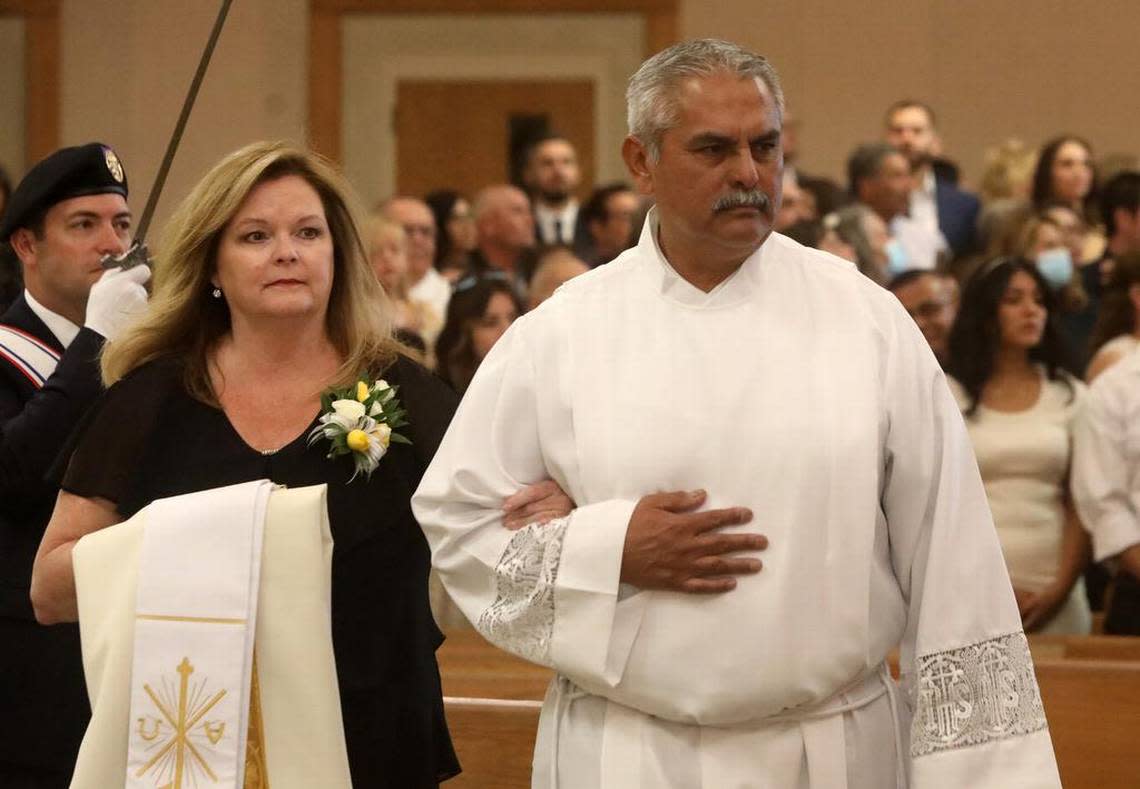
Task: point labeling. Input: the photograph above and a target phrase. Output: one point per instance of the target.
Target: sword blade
(180, 126)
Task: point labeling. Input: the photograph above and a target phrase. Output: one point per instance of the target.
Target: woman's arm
(53, 578)
(1076, 550)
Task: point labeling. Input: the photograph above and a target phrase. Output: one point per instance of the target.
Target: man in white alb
(715, 392)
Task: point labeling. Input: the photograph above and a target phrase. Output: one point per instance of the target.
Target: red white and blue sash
(32, 357)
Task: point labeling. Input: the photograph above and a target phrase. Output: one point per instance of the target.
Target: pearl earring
(217, 294)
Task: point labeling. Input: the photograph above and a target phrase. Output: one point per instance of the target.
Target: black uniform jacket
(43, 699)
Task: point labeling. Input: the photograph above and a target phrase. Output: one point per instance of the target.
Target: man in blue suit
(934, 202)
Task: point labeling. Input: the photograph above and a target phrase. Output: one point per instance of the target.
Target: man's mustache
(744, 198)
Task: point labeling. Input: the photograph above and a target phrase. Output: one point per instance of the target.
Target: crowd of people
(906, 222)
(1025, 293)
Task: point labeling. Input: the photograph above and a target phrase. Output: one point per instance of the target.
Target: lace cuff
(521, 619)
(974, 695)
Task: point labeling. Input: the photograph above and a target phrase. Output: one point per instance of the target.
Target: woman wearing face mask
(1042, 240)
(1007, 360)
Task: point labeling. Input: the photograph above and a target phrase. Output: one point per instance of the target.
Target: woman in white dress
(1008, 363)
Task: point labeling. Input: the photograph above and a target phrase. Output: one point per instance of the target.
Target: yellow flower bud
(361, 391)
(357, 441)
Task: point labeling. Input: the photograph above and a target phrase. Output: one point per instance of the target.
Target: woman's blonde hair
(378, 226)
(1009, 171)
(185, 321)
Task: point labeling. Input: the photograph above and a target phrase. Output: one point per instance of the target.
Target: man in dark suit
(552, 176)
(68, 212)
(935, 201)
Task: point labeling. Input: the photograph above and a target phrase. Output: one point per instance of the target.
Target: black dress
(148, 439)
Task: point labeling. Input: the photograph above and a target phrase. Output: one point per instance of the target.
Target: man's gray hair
(652, 96)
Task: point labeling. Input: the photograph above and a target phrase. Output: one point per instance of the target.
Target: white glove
(116, 299)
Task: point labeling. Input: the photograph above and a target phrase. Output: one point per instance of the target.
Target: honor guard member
(63, 218)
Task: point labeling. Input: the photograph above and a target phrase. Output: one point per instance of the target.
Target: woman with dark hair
(482, 308)
(1066, 174)
(1010, 377)
(1117, 332)
(457, 237)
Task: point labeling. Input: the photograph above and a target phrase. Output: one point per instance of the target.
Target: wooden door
(457, 135)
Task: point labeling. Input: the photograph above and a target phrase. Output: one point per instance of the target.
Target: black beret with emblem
(90, 169)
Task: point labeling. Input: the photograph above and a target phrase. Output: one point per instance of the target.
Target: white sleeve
(977, 716)
(546, 592)
(1101, 470)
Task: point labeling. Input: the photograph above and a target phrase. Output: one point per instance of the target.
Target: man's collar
(545, 211)
(63, 329)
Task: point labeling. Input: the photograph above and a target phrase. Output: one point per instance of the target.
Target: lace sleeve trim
(521, 619)
(974, 695)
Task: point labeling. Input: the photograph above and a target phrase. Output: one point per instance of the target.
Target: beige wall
(127, 65)
(12, 95)
(380, 50)
(992, 70)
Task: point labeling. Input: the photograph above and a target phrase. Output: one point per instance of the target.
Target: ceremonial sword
(138, 253)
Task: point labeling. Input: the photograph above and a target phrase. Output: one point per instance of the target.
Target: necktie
(557, 231)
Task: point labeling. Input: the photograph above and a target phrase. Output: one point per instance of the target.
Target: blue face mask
(897, 259)
(1056, 266)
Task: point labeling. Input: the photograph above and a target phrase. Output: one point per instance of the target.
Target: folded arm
(549, 591)
(53, 577)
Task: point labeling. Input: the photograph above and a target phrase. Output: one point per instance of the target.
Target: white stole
(198, 575)
(174, 590)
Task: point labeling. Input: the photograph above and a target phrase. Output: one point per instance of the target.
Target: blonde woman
(264, 299)
(416, 322)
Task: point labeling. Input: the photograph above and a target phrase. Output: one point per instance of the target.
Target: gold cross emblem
(178, 758)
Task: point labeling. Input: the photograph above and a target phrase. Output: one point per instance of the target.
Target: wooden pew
(472, 667)
(1103, 648)
(494, 739)
(1093, 708)
(1047, 646)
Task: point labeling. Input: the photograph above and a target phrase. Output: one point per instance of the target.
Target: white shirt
(63, 329)
(434, 290)
(802, 390)
(1106, 459)
(923, 245)
(566, 218)
(923, 205)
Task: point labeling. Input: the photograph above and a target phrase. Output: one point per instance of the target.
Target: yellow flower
(361, 391)
(357, 441)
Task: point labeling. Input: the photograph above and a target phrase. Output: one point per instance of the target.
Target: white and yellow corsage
(361, 420)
